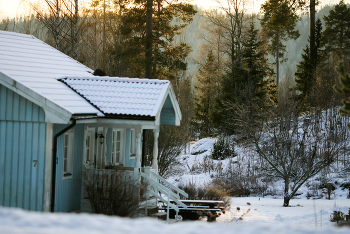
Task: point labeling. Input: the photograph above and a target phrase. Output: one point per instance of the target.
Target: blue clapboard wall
(68, 190)
(22, 151)
(167, 115)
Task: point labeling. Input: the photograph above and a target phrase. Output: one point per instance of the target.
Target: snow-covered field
(266, 216)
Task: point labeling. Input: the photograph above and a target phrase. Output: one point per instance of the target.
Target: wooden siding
(22, 152)
(68, 190)
(167, 115)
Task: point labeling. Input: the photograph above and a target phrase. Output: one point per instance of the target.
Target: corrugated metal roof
(121, 96)
(36, 65)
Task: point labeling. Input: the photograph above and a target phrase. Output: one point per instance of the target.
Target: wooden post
(138, 150)
(155, 150)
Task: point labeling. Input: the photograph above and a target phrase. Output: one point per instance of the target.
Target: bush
(223, 149)
(113, 192)
(209, 192)
(337, 216)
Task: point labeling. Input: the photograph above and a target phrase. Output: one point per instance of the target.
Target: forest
(271, 80)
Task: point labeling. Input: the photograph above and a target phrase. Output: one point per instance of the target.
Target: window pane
(118, 146)
(65, 139)
(118, 135)
(117, 158)
(65, 165)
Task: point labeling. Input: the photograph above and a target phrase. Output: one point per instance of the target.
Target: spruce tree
(305, 76)
(206, 94)
(248, 87)
(345, 90)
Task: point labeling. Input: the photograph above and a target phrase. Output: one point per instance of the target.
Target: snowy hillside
(197, 167)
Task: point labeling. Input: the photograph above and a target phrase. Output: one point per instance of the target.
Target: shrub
(113, 192)
(223, 149)
(337, 216)
(210, 192)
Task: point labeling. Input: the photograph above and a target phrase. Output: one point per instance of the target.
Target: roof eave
(53, 112)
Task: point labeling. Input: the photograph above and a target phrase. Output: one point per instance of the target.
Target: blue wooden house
(57, 118)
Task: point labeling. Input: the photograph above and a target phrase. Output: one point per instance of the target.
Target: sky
(8, 8)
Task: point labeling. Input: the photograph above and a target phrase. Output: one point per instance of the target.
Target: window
(132, 143)
(117, 146)
(68, 154)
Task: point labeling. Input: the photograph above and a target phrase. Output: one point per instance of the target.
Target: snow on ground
(266, 216)
(302, 213)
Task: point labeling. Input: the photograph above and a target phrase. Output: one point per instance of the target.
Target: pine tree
(168, 18)
(337, 31)
(278, 23)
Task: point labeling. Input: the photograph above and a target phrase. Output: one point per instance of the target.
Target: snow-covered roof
(121, 96)
(34, 66)
(65, 87)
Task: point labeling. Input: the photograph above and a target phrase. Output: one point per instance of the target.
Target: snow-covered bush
(202, 146)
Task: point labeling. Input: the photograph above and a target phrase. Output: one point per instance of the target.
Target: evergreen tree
(206, 94)
(261, 89)
(345, 90)
(305, 76)
(248, 88)
(168, 18)
(278, 23)
(337, 31)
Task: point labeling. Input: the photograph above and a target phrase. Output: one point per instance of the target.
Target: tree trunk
(277, 59)
(149, 41)
(57, 34)
(75, 37)
(287, 196)
(104, 37)
(313, 51)
(286, 201)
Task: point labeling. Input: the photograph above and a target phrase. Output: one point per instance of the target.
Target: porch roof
(114, 96)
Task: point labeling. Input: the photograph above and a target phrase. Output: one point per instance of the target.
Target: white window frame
(89, 159)
(67, 161)
(132, 143)
(115, 142)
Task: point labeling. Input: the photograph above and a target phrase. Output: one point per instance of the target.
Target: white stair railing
(179, 191)
(173, 199)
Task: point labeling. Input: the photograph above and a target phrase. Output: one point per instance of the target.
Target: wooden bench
(197, 208)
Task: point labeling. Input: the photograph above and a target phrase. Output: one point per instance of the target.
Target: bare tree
(230, 25)
(297, 148)
(61, 18)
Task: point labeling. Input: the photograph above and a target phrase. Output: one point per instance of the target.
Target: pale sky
(8, 8)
